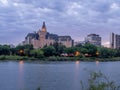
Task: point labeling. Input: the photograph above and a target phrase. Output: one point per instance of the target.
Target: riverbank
(15, 57)
(58, 58)
(87, 59)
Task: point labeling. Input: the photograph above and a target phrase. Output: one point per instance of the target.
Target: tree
(4, 50)
(49, 51)
(117, 52)
(37, 53)
(106, 52)
(90, 49)
(12, 51)
(24, 49)
(59, 48)
(71, 50)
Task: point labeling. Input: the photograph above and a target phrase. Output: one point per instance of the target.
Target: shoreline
(57, 58)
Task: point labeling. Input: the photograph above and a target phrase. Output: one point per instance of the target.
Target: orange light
(21, 51)
(77, 53)
(97, 53)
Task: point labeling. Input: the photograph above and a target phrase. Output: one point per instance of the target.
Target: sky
(76, 18)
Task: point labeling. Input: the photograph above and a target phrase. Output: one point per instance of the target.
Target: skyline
(76, 18)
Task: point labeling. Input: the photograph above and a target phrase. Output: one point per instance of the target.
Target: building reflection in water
(21, 72)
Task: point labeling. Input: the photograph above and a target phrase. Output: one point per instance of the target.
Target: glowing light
(97, 62)
(97, 53)
(77, 53)
(21, 51)
(44, 30)
(77, 62)
(21, 62)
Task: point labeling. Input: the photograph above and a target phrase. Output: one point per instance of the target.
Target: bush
(2, 57)
(97, 81)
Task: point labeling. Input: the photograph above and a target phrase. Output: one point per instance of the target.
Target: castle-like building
(43, 38)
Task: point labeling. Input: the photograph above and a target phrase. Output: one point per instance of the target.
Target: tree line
(87, 50)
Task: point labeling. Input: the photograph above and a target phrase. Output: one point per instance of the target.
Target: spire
(44, 27)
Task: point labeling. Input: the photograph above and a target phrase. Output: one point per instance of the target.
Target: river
(52, 75)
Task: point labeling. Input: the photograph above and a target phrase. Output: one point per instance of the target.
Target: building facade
(93, 39)
(114, 41)
(43, 38)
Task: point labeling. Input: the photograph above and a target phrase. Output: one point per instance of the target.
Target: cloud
(4, 2)
(75, 17)
(115, 6)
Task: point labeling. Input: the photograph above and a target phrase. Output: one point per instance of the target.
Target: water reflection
(97, 62)
(21, 67)
(77, 62)
(21, 62)
(77, 70)
(77, 66)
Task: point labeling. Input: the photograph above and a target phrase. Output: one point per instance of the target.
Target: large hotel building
(93, 39)
(43, 38)
(114, 41)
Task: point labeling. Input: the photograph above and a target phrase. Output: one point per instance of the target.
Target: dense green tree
(4, 50)
(49, 51)
(89, 49)
(106, 52)
(12, 51)
(70, 50)
(59, 48)
(83, 50)
(117, 52)
(37, 53)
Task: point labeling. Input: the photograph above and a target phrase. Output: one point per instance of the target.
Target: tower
(44, 27)
(42, 35)
(42, 32)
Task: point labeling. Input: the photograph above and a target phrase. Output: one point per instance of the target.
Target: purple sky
(76, 18)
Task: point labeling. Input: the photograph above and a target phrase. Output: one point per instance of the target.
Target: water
(52, 75)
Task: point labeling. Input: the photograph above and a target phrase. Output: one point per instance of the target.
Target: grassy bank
(7, 57)
(57, 58)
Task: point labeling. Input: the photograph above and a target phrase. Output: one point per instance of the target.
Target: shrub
(98, 81)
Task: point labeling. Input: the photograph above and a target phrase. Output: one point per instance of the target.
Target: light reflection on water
(77, 64)
(21, 73)
(97, 62)
(77, 69)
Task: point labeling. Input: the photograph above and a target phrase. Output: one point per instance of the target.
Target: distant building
(79, 43)
(114, 41)
(43, 38)
(93, 39)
